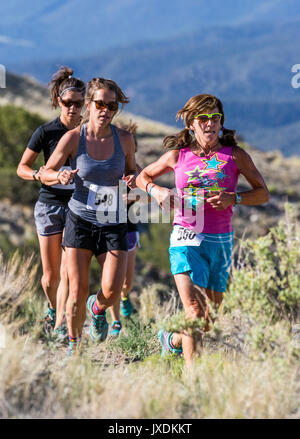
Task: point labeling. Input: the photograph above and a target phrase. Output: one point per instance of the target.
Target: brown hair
(198, 104)
(100, 83)
(61, 81)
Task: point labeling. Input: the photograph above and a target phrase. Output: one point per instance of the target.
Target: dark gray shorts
(49, 218)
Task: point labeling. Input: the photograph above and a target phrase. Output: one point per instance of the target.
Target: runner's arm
(66, 148)
(145, 179)
(259, 193)
(25, 169)
(160, 167)
(128, 144)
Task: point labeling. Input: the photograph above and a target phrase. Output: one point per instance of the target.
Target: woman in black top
(50, 210)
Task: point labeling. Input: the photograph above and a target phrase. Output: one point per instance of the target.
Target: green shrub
(266, 281)
(17, 190)
(16, 127)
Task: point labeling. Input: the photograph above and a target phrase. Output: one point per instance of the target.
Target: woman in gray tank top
(100, 154)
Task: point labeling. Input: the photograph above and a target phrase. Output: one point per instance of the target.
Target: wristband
(149, 193)
(34, 175)
(149, 182)
(238, 198)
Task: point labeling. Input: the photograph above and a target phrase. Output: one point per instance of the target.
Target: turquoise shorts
(207, 264)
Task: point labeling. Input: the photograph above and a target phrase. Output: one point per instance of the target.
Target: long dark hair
(198, 104)
(61, 81)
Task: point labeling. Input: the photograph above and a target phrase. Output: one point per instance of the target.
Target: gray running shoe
(49, 320)
(99, 326)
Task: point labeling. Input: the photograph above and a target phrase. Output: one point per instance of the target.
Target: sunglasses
(68, 104)
(205, 117)
(112, 106)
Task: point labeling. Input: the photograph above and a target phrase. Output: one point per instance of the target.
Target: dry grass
(238, 376)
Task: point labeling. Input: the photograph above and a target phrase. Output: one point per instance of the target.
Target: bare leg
(195, 303)
(127, 286)
(113, 274)
(78, 267)
(50, 248)
(62, 292)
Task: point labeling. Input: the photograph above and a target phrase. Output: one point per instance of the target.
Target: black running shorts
(80, 233)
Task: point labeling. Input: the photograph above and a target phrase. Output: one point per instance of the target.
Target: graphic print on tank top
(204, 180)
(198, 178)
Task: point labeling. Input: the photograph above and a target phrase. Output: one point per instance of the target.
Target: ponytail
(228, 138)
(62, 81)
(178, 141)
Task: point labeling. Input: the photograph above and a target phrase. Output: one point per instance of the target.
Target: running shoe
(60, 334)
(115, 329)
(49, 320)
(165, 341)
(126, 307)
(99, 326)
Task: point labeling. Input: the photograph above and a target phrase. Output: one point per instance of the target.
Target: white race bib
(181, 236)
(102, 198)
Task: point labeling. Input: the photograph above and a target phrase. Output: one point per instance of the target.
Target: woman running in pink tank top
(206, 166)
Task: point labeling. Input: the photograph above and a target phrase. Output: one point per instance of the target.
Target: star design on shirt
(216, 188)
(194, 174)
(221, 176)
(213, 163)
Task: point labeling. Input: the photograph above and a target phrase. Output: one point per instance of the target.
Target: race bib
(181, 236)
(102, 198)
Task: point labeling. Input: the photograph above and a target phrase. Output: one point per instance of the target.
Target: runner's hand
(66, 176)
(130, 180)
(221, 200)
(39, 173)
(166, 198)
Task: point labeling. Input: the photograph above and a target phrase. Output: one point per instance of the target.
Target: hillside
(281, 174)
(248, 66)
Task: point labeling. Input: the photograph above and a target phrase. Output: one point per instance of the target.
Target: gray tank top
(96, 196)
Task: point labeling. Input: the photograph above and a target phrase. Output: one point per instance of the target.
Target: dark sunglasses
(112, 106)
(68, 104)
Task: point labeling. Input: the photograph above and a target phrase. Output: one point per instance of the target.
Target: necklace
(203, 153)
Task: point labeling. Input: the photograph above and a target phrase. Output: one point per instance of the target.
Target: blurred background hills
(25, 104)
(161, 53)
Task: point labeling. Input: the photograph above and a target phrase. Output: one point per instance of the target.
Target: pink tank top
(198, 178)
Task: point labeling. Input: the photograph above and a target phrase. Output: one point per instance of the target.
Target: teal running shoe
(49, 320)
(60, 334)
(99, 326)
(126, 307)
(115, 329)
(165, 341)
(74, 350)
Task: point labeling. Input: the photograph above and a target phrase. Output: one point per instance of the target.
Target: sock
(74, 342)
(96, 310)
